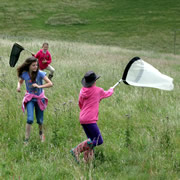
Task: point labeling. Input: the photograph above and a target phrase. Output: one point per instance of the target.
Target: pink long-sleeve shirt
(89, 99)
(39, 98)
(41, 56)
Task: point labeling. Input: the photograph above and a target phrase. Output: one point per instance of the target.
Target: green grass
(140, 126)
(131, 24)
(143, 145)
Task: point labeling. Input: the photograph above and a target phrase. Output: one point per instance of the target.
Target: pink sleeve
(49, 58)
(105, 94)
(80, 101)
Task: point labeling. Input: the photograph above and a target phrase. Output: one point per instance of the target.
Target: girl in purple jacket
(89, 99)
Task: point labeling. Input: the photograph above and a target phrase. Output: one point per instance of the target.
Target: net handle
(117, 83)
(24, 48)
(29, 51)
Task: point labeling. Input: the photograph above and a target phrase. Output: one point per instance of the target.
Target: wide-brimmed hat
(89, 78)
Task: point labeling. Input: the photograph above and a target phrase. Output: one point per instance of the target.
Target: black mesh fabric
(15, 53)
(127, 68)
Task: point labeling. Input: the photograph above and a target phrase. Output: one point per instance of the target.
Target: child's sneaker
(42, 137)
(50, 76)
(26, 142)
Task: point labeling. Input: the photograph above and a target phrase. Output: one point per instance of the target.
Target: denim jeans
(31, 105)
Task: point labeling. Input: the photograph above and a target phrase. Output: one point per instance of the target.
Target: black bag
(15, 53)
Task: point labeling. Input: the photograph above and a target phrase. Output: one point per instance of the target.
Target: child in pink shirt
(89, 99)
(44, 59)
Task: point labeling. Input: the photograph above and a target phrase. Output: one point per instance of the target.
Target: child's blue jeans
(31, 105)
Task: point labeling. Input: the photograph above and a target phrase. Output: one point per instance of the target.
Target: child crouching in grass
(89, 99)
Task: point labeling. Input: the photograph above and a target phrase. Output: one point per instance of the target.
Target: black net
(15, 53)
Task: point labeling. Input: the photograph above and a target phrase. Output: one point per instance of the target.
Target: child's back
(89, 99)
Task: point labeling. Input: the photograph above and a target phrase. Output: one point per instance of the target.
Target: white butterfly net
(143, 74)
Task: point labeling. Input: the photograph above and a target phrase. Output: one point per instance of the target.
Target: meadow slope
(140, 25)
(140, 126)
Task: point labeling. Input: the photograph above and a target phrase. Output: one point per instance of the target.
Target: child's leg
(28, 130)
(39, 118)
(41, 134)
(88, 155)
(40, 129)
(51, 69)
(30, 118)
(92, 131)
(82, 147)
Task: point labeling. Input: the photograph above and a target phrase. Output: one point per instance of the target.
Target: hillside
(139, 25)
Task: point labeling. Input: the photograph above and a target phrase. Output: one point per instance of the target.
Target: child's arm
(37, 55)
(49, 59)
(80, 102)
(47, 85)
(105, 94)
(19, 85)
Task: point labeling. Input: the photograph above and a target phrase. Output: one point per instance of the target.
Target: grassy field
(140, 126)
(139, 25)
